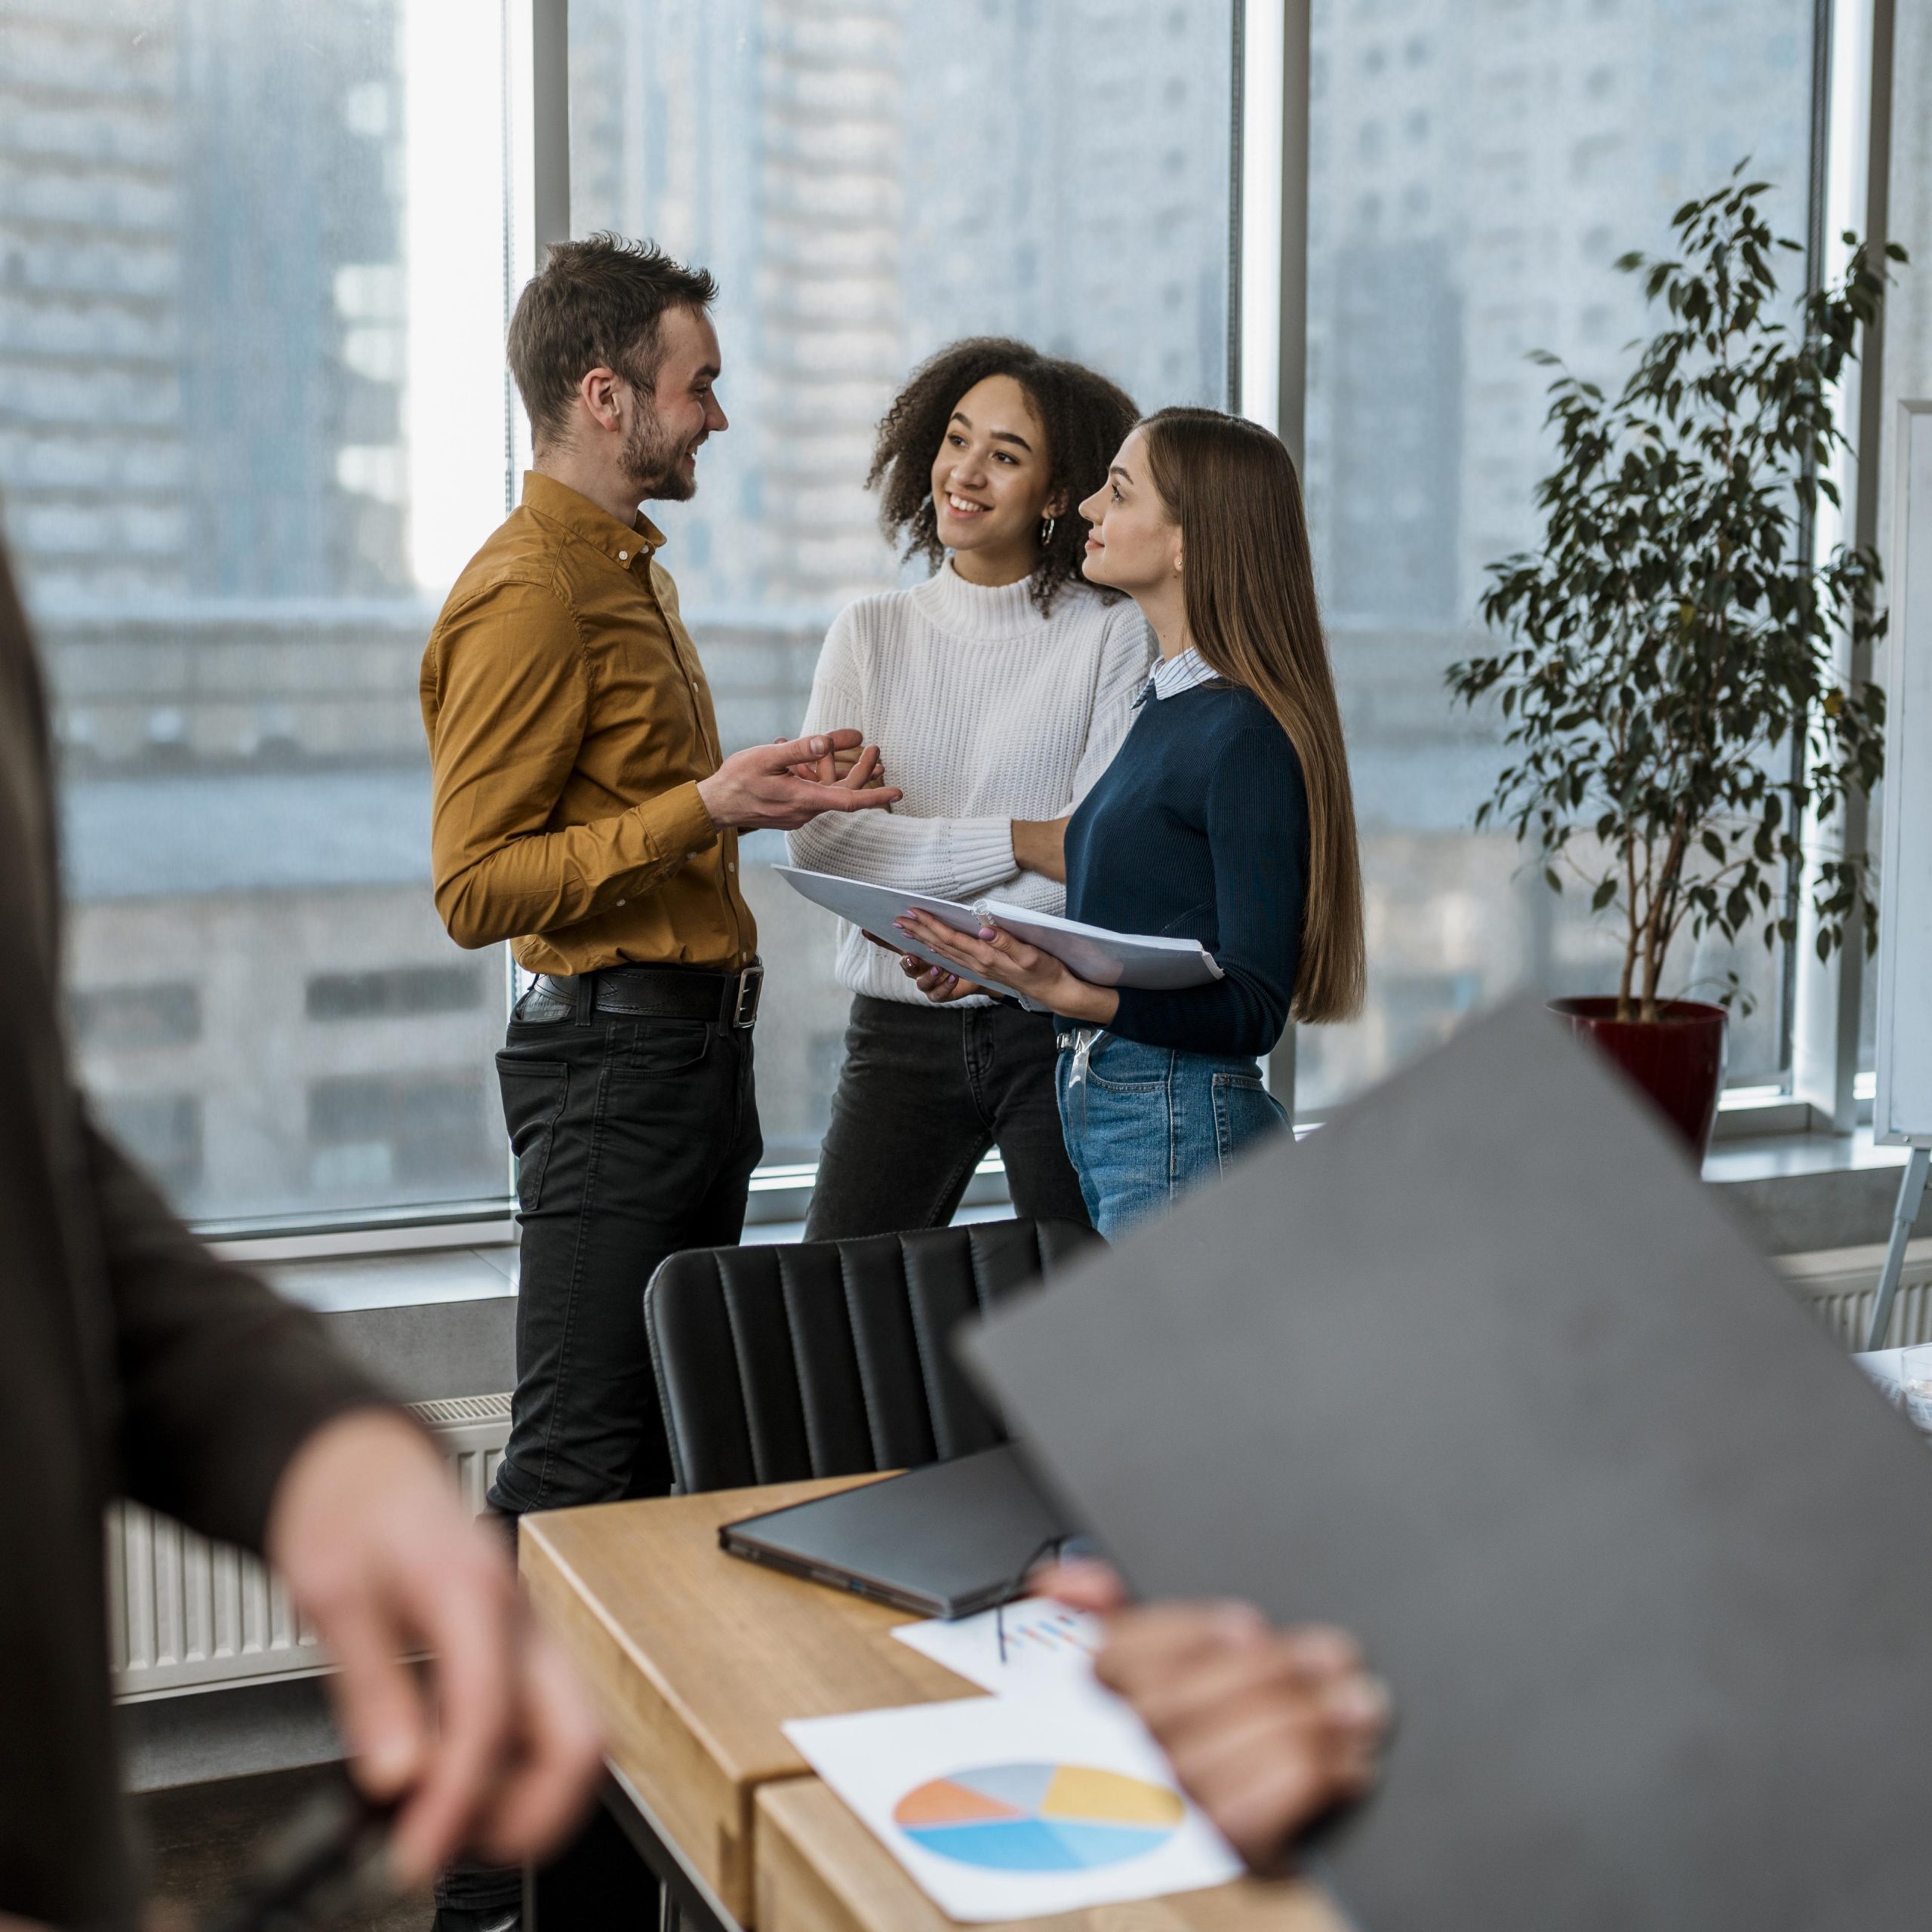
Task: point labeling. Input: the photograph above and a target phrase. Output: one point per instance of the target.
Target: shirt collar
(557, 503)
(1172, 676)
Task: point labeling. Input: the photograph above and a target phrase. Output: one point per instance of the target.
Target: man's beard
(654, 465)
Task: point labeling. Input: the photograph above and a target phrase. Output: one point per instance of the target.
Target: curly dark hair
(1086, 418)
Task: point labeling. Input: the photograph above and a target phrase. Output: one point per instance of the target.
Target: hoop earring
(1046, 529)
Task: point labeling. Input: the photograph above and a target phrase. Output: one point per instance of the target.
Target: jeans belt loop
(1084, 1043)
(586, 990)
(1083, 1047)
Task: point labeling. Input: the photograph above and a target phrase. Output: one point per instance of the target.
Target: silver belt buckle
(751, 989)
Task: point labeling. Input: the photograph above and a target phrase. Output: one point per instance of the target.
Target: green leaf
(1667, 640)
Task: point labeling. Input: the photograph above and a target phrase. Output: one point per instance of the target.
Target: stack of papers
(1101, 957)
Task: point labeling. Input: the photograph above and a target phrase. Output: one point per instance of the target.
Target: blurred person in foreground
(1270, 1731)
(134, 1363)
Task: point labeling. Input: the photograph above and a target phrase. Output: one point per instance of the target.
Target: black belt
(665, 992)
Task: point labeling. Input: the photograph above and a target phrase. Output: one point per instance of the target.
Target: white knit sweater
(985, 711)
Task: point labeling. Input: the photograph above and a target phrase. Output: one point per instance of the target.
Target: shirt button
(623, 556)
(731, 865)
(623, 901)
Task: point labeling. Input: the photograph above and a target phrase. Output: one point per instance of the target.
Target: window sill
(1802, 1193)
(339, 1285)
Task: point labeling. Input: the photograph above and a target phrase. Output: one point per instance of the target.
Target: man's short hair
(596, 303)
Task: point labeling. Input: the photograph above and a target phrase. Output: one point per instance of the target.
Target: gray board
(1482, 1372)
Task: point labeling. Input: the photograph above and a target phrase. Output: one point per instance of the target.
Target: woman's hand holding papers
(997, 956)
(940, 986)
(1267, 1730)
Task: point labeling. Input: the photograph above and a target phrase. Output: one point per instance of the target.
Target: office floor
(199, 1835)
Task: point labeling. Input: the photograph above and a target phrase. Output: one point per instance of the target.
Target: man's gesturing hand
(379, 1553)
(759, 787)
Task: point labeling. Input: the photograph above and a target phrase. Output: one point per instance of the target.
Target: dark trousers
(925, 1092)
(633, 1138)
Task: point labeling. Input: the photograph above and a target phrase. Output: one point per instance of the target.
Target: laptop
(944, 1540)
(1482, 1372)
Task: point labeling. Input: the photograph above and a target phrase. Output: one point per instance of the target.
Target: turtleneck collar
(974, 611)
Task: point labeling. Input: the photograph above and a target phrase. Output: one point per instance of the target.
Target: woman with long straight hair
(997, 691)
(1226, 817)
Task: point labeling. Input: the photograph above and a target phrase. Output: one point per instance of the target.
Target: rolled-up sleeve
(507, 701)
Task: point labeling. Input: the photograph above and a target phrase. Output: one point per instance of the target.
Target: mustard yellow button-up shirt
(569, 723)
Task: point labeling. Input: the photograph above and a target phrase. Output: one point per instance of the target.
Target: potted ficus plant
(1667, 667)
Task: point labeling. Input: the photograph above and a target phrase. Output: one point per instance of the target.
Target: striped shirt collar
(1172, 676)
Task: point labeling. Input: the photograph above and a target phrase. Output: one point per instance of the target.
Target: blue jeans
(1145, 1124)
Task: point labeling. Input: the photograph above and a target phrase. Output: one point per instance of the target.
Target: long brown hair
(1249, 582)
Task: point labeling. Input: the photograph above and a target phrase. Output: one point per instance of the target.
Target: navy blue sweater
(1198, 829)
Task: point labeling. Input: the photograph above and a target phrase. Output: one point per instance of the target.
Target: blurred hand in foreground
(378, 1551)
(1267, 1730)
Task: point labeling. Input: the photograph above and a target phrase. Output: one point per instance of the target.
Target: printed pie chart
(1039, 1817)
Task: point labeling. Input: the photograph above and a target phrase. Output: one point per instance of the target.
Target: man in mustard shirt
(583, 812)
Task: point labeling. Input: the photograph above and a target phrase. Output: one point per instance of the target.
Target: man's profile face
(660, 452)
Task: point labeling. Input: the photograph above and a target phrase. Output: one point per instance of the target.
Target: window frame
(1820, 1090)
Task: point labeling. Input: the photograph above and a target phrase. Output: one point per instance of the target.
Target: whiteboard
(1903, 1110)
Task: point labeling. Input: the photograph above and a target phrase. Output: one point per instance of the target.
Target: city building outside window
(1475, 171)
(870, 179)
(252, 421)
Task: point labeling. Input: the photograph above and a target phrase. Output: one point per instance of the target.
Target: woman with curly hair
(1227, 818)
(998, 691)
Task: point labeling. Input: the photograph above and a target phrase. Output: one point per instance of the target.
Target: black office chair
(829, 1358)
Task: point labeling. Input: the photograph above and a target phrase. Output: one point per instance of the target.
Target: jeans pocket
(1126, 1066)
(537, 1006)
(534, 1092)
(1244, 1112)
(663, 1046)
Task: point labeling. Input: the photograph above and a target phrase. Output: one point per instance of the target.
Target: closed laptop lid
(1482, 1372)
(948, 1539)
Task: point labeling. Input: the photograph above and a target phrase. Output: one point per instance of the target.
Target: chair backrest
(829, 1358)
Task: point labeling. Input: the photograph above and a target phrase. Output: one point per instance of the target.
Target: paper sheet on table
(1047, 1645)
(1101, 957)
(1019, 1806)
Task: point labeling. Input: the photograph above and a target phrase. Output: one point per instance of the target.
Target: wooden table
(696, 1659)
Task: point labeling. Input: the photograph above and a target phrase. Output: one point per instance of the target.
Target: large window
(254, 262)
(870, 179)
(251, 423)
(1477, 166)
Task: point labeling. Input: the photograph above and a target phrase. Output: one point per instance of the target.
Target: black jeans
(925, 1090)
(633, 1138)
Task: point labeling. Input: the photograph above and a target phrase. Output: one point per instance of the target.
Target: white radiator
(1841, 1286)
(187, 1614)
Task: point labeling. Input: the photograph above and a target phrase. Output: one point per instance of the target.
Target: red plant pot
(1677, 1059)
